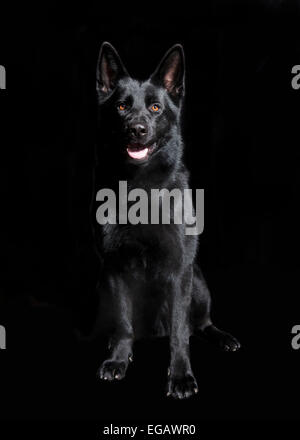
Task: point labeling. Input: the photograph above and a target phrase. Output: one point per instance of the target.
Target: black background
(241, 131)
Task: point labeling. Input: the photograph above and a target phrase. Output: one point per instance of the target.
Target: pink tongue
(141, 154)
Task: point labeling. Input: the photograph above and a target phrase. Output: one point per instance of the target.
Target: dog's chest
(146, 244)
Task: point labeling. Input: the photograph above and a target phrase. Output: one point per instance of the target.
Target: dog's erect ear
(109, 69)
(170, 71)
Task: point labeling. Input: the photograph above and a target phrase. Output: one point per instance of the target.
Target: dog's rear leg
(121, 341)
(201, 321)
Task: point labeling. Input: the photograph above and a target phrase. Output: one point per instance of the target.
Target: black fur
(149, 283)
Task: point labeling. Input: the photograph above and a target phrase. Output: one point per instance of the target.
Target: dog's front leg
(121, 341)
(181, 381)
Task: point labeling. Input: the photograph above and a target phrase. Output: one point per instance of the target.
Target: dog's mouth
(139, 152)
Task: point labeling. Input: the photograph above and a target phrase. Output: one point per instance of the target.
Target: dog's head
(139, 117)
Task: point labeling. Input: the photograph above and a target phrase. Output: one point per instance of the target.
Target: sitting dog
(150, 283)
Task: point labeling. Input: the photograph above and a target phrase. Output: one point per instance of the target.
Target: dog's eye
(121, 107)
(155, 107)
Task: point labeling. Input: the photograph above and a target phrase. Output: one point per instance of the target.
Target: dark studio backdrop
(241, 131)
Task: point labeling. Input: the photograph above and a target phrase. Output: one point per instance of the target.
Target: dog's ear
(109, 69)
(170, 71)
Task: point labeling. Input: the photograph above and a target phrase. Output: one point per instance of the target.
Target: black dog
(150, 284)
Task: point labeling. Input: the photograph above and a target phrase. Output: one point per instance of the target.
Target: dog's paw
(182, 387)
(223, 340)
(112, 370)
(228, 342)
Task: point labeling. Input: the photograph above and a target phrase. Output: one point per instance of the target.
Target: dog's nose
(138, 130)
